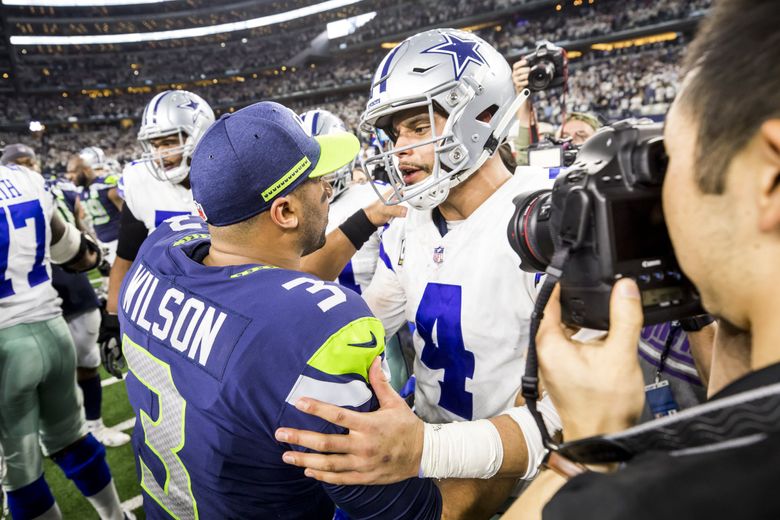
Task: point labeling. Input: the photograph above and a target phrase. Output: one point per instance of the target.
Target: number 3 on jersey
(440, 308)
(165, 435)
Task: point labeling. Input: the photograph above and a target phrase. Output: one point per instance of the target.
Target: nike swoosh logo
(422, 70)
(367, 344)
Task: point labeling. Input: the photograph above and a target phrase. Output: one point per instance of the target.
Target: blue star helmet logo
(462, 52)
(192, 105)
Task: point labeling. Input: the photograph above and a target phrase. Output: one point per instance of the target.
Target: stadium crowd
(315, 309)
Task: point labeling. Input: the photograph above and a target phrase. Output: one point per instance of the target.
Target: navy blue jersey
(102, 210)
(217, 357)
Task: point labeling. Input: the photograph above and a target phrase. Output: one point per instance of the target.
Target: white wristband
(67, 246)
(533, 437)
(461, 450)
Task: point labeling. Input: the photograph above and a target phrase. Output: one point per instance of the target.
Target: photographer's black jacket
(726, 483)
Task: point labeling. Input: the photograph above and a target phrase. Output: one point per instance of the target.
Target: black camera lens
(541, 75)
(529, 231)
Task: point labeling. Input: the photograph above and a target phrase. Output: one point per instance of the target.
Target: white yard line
(109, 381)
(124, 425)
(133, 503)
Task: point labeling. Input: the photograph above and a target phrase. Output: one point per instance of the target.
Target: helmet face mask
(463, 78)
(173, 113)
(154, 157)
(321, 122)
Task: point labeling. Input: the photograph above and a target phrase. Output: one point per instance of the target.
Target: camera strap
(719, 424)
(530, 381)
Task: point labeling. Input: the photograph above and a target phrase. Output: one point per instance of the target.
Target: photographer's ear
(769, 182)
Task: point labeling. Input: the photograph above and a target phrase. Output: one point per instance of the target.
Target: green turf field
(116, 409)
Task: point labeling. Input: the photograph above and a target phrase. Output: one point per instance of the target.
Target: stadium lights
(103, 39)
(78, 3)
(36, 126)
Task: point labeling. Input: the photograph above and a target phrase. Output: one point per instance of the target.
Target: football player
(39, 404)
(154, 188)
(81, 311)
(222, 331)
(99, 196)
(445, 98)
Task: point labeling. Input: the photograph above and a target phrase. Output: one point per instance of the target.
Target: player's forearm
(118, 272)
(328, 261)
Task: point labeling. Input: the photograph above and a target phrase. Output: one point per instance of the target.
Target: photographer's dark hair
(734, 82)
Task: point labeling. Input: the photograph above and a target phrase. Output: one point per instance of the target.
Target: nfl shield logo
(438, 254)
(200, 211)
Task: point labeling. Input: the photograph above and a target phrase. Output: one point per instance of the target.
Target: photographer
(576, 128)
(721, 198)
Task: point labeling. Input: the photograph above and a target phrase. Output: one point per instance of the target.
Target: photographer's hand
(596, 386)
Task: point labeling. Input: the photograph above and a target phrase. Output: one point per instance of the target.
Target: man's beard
(314, 232)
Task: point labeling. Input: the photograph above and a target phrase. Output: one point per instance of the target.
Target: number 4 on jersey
(440, 308)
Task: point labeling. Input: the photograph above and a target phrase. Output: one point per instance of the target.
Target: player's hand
(380, 214)
(597, 386)
(382, 447)
(520, 72)
(110, 341)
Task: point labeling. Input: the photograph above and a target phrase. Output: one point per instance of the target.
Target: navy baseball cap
(247, 159)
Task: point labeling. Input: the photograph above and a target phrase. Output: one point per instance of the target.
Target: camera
(605, 210)
(552, 153)
(549, 67)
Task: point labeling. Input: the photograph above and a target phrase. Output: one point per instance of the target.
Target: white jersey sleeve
(359, 271)
(385, 296)
(153, 201)
(26, 207)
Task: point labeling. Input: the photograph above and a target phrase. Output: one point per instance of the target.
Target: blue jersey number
(20, 214)
(440, 307)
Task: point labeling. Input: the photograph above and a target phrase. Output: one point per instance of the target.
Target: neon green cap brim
(336, 151)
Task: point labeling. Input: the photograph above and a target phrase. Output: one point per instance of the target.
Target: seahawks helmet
(93, 157)
(465, 79)
(321, 122)
(179, 113)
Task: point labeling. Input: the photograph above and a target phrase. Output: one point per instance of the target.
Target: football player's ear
(284, 212)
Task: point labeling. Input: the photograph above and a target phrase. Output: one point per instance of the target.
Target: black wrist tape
(358, 228)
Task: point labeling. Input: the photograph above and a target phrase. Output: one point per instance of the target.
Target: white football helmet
(321, 122)
(93, 157)
(458, 74)
(173, 112)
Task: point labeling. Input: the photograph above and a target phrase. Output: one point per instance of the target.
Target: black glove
(110, 341)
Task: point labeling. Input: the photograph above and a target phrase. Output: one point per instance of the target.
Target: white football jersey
(26, 293)
(469, 301)
(153, 201)
(359, 271)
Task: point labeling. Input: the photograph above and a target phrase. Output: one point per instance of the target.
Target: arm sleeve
(385, 296)
(333, 375)
(132, 233)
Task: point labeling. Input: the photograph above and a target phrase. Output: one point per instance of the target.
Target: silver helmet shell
(179, 113)
(458, 74)
(321, 122)
(93, 157)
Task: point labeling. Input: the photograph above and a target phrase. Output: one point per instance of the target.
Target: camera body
(549, 67)
(607, 210)
(552, 153)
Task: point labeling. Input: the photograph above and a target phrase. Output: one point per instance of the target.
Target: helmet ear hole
(486, 115)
